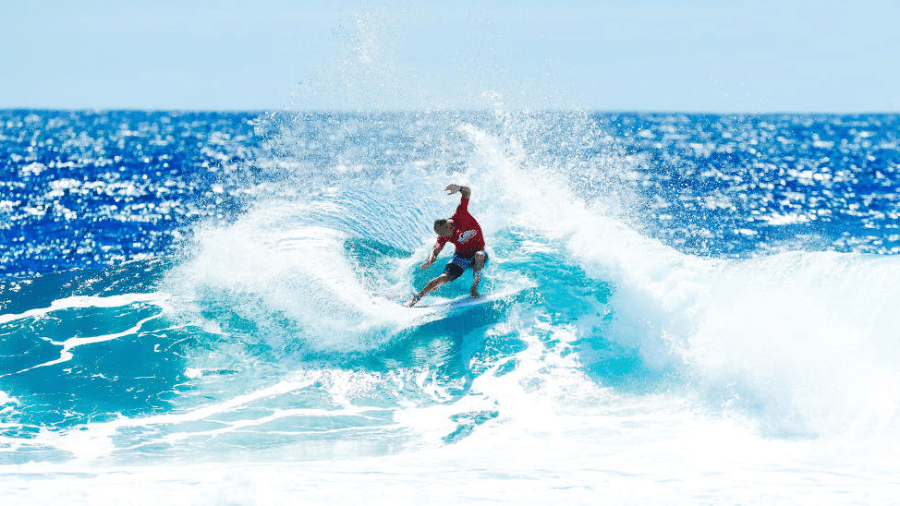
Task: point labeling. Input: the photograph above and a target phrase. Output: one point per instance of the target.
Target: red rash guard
(467, 236)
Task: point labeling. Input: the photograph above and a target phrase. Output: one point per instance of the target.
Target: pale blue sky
(639, 55)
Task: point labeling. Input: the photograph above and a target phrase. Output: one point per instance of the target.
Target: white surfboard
(468, 301)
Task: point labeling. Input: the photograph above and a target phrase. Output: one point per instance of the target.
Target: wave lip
(801, 341)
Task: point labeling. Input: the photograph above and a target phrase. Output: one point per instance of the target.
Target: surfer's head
(444, 228)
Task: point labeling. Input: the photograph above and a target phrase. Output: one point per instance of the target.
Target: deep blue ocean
(203, 308)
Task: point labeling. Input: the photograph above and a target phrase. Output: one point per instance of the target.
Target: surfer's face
(444, 229)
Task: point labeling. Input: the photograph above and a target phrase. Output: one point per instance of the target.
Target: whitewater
(203, 308)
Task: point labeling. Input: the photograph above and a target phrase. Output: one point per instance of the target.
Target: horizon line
(447, 110)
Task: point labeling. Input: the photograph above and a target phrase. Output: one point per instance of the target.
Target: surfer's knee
(479, 260)
(440, 280)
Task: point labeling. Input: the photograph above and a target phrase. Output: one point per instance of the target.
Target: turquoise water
(204, 309)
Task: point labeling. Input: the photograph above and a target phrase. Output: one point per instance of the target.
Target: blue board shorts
(457, 265)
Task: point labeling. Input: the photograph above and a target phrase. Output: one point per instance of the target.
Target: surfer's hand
(426, 265)
(452, 188)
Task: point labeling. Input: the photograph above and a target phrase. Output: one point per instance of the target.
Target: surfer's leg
(477, 265)
(432, 285)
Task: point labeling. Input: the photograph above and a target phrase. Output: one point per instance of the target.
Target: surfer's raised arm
(453, 188)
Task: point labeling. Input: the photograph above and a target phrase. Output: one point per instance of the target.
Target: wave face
(694, 307)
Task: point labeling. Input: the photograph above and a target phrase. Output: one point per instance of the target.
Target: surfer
(464, 232)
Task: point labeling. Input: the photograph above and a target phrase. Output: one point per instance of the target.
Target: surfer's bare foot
(412, 301)
(475, 293)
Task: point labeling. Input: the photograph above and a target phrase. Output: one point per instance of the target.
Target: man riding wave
(465, 233)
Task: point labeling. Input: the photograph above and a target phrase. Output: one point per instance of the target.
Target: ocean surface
(203, 308)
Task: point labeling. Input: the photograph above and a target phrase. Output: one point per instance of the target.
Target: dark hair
(440, 223)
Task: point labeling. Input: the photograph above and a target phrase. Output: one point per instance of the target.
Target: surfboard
(467, 301)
